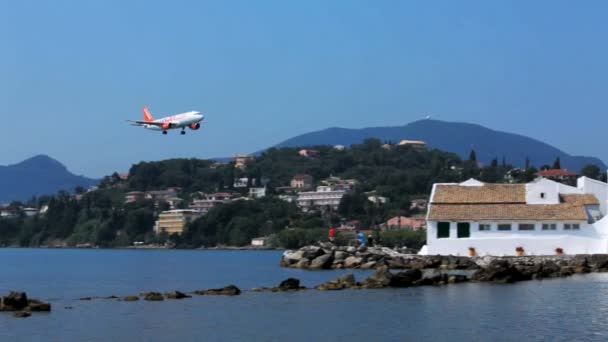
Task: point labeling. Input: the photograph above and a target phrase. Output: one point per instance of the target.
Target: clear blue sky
(264, 71)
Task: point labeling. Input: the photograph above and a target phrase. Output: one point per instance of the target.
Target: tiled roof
(478, 212)
(555, 172)
(579, 199)
(488, 193)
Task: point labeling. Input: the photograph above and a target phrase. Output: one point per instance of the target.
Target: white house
(539, 218)
(325, 196)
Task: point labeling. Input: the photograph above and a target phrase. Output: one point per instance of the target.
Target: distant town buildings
(241, 160)
(339, 147)
(559, 175)
(175, 221)
(403, 222)
(208, 201)
(257, 192)
(301, 181)
(309, 153)
(259, 242)
(417, 144)
(168, 195)
(324, 197)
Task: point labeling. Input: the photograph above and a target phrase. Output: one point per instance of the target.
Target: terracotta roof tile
(488, 193)
(478, 212)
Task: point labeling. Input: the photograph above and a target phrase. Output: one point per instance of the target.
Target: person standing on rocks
(331, 234)
(361, 237)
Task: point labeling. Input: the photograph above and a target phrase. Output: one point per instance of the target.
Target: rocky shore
(21, 306)
(435, 269)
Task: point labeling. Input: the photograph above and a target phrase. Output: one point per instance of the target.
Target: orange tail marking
(147, 115)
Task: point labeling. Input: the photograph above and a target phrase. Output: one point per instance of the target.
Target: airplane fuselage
(188, 119)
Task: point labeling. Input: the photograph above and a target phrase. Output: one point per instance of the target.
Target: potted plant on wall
(519, 251)
(472, 252)
(559, 251)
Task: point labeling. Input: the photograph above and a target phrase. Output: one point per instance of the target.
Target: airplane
(190, 119)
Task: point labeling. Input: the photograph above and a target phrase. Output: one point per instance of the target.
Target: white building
(257, 192)
(539, 218)
(324, 197)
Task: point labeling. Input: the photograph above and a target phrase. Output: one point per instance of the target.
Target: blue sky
(264, 71)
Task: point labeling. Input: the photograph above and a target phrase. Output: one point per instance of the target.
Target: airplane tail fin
(147, 115)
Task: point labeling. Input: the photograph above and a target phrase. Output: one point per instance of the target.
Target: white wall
(588, 240)
(599, 189)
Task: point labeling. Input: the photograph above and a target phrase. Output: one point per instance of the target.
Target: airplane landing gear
(183, 132)
(165, 132)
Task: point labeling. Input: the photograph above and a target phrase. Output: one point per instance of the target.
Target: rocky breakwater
(21, 306)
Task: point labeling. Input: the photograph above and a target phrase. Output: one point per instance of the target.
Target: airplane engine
(166, 126)
(195, 126)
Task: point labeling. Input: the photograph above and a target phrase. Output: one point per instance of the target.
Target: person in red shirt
(331, 234)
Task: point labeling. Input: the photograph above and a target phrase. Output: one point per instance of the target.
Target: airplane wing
(143, 123)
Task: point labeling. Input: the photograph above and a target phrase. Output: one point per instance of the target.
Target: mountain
(40, 175)
(456, 137)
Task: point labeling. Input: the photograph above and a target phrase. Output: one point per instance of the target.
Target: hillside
(39, 175)
(453, 137)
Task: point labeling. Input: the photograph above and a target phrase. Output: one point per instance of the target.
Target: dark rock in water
(379, 279)
(229, 290)
(302, 263)
(344, 282)
(111, 297)
(500, 271)
(580, 264)
(153, 296)
(130, 299)
(290, 284)
(86, 298)
(405, 278)
(311, 252)
(321, 262)
(14, 301)
(599, 262)
(36, 305)
(176, 295)
(22, 314)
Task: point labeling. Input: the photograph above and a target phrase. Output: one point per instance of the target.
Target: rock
(368, 265)
(397, 263)
(348, 279)
(405, 278)
(14, 301)
(352, 262)
(176, 295)
(111, 297)
(22, 314)
(86, 298)
(343, 282)
(340, 255)
(321, 262)
(311, 252)
(380, 278)
(230, 290)
(290, 284)
(457, 278)
(291, 257)
(130, 299)
(153, 296)
(302, 263)
(36, 305)
(500, 271)
(351, 250)
(599, 262)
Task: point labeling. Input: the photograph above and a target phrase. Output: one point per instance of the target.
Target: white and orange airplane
(191, 119)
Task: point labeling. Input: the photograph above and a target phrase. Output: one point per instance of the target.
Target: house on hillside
(175, 221)
(301, 181)
(542, 217)
(559, 175)
(241, 160)
(403, 222)
(324, 197)
(417, 144)
(309, 153)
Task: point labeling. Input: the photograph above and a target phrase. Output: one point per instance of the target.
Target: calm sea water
(550, 310)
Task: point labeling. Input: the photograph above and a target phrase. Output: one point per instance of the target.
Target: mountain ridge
(457, 137)
(37, 176)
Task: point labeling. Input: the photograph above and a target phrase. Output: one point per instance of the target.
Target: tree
(557, 164)
(472, 156)
(591, 171)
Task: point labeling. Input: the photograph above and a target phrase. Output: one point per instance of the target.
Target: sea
(569, 309)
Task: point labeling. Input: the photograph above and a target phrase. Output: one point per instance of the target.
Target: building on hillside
(29, 212)
(134, 196)
(243, 182)
(309, 153)
(174, 221)
(208, 201)
(162, 196)
(257, 192)
(542, 217)
(417, 144)
(339, 147)
(559, 175)
(378, 200)
(350, 225)
(418, 204)
(288, 198)
(241, 160)
(301, 181)
(259, 242)
(123, 176)
(403, 222)
(324, 197)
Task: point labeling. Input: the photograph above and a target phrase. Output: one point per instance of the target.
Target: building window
(572, 226)
(526, 226)
(549, 226)
(443, 230)
(463, 230)
(484, 227)
(504, 226)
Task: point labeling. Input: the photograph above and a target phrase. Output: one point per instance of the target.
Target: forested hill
(454, 137)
